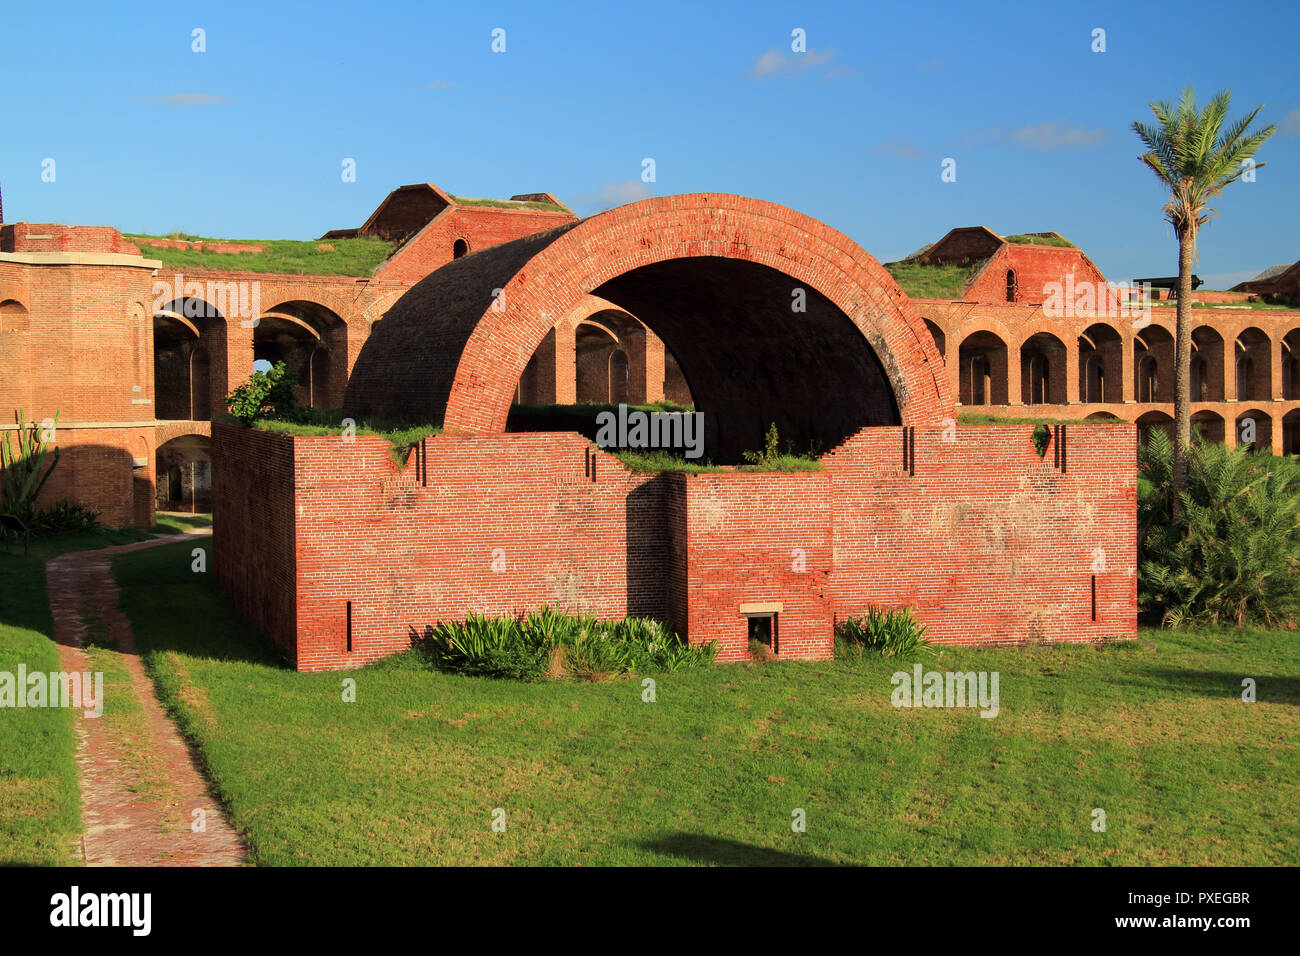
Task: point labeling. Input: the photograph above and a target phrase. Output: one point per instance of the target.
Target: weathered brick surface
(988, 542)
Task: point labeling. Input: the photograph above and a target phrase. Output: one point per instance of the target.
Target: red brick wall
(480, 226)
(254, 555)
(1035, 266)
(759, 537)
(408, 555)
(51, 237)
(990, 543)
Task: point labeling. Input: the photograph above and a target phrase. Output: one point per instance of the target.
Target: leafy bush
(548, 643)
(266, 394)
(772, 459)
(65, 517)
(889, 632)
(1234, 555)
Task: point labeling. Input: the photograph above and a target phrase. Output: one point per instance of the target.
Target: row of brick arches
(988, 368)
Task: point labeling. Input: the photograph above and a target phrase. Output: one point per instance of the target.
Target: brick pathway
(123, 827)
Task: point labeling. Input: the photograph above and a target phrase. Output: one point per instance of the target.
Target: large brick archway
(718, 277)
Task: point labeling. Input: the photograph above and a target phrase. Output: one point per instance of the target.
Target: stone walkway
(122, 825)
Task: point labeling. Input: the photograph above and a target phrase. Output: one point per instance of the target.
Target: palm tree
(1194, 157)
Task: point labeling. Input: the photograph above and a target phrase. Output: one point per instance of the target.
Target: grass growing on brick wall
(1024, 239)
(981, 418)
(401, 437)
(930, 282)
(40, 810)
(508, 204)
(591, 773)
(325, 257)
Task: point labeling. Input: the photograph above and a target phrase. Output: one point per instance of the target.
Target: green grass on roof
(323, 257)
(508, 203)
(930, 282)
(1025, 239)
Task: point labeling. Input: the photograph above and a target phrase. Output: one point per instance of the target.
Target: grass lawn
(174, 522)
(40, 814)
(588, 773)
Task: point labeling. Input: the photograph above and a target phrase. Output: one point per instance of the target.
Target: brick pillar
(1128, 368)
(238, 364)
(1276, 361)
(1072, 353)
(566, 364)
(1279, 432)
(1013, 375)
(654, 367)
(952, 364)
(1230, 368)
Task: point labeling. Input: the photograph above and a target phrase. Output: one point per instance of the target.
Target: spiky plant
(25, 466)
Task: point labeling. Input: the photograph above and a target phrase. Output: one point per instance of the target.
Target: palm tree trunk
(1183, 368)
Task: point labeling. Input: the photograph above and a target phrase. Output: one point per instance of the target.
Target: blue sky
(246, 140)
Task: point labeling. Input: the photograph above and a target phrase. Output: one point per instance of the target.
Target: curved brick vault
(712, 275)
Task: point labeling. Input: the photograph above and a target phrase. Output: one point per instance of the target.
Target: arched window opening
(1013, 291)
(459, 248)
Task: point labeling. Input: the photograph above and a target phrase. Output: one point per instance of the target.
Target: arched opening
(618, 376)
(1042, 370)
(1101, 352)
(1013, 288)
(459, 248)
(1207, 383)
(1254, 366)
(13, 316)
(1153, 365)
(1255, 430)
(777, 369)
(312, 341)
(188, 340)
(1291, 366)
(1148, 379)
(1150, 420)
(594, 346)
(1291, 433)
(694, 269)
(1209, 425)
(183, 467)
(983, 372)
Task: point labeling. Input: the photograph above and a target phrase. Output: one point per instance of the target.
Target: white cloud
(185, 100)
(775, 61)
(1290, 125)
(905, 147)
(1049, 135)
(609, 195)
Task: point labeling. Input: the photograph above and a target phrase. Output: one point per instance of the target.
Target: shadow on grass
(1220, 684)
(722, 852)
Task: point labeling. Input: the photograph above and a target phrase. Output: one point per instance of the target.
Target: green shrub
(265, 394)
(1233, 557)
(548, 643)
(65, 517)
(889, 632)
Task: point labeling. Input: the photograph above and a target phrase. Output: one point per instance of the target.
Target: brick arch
(460, 340)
